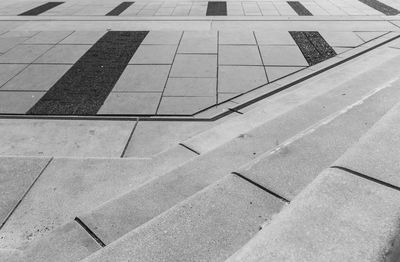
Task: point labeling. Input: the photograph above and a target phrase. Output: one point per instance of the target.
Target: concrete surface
(206, 227)
(338, 217)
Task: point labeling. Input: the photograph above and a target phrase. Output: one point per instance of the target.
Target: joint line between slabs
(348, 170)
(259, 52)
(26, 192)
(188, 148)
(129, 138)
(261, 187)
(89, 231)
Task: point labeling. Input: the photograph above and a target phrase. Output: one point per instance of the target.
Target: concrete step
(250, 135)
(349, 212)
(209, 226)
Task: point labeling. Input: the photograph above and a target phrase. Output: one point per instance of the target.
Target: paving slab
(368, 36)
(236, 38)
(8, 71)
(128, 103)
(154, 54)
(180, 105)
(63, 138)
(339, 217)
(7, 43)
(83, 37)
(192, 65)
(291, 167)
(152, 138)
(274, 38)
(24, 53)
(376, 153)
(63, 54)
(198, 42)
(343, 39)
(13, 102)
(36, 78)
(237, 79)
(239, 55)
(207, 227)
(17, 174)
(143, 78)
(163, 38)
(68, 243)
(276, 72)
(191, 87)
(282, 56)
(50, 37)
(66, 188)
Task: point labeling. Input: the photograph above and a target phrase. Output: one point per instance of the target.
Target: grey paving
(376, 153)
(207, 227)
(154, 54)
(13, 102)
(130, 104)
(189, 65)
(292, 167)
(8, 71)
(191, 87)
(339, 217)
(67, 188)
(236, 79)
(17, 175)
(24, 53)
(63, 54)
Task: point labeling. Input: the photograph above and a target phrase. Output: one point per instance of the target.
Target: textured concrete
(376, 155)
(338, 217)
(292, 166)
(16, 177)
(67, 188)
(206, 227)
(63, 138)
(68, 243)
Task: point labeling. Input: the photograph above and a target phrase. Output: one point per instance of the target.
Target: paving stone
(152, 138)
(240, 78)
(236, 38)
(191, 87)
(339, 217)
(274, 38)
(120, 9)
(12, 34)
(24, 53)
(198, 42)
(130, 103)
(194, 66)
(209, 226)
(7, 43)
(180, 105)
(292, 167)
(282, 55)
(154, 54)
(8, 71)
(48, 37)
(226, 96)
(41, 8)
(83, 37)
(216, 8)
(17, 174)
(63, 54)
(143, 78)
(67, 188)
(63, 138)
(342, 39)
(341, 50)
(375, 154)
(68, 243)
(368, 36)
(36, 78)
(239, 55)
(299, 8)
(163, 38)
(275, 72)
(13, 102)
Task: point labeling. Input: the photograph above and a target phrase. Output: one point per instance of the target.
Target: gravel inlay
(313, 46)
(42, 8)
(299, 8)
(87, 84)
(381, 7)
(119, 9)
(216, 9)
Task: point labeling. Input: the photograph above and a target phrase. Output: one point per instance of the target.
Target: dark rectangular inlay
(42, 8)
(299, 8)
(83, 89)
(120, 8)
(216, 8)
(381, 7)
(313, 46)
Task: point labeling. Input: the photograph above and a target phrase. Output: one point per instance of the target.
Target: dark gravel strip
(119, 9)
(83, 89)
(216, 8)
(381, 7)
(41, 9)
(299, 8)
(313, 46)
